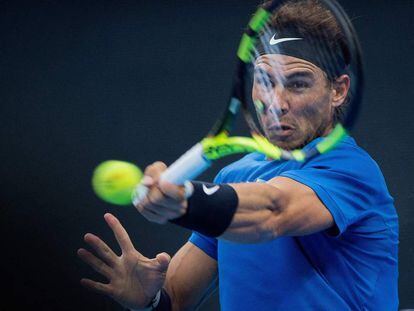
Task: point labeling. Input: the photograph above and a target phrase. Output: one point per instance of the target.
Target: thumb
(163, 260)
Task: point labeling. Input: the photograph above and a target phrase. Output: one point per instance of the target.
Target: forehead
(284, 64)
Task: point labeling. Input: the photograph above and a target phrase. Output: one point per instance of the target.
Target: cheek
(260, 93)
(314, 103)
(309, 111)
(303, 107)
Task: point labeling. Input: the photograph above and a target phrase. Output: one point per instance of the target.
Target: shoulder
(346, 172)
(351, 186)
(236, 171)
(347, 158)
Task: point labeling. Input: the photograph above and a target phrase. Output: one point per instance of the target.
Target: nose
(277, 103)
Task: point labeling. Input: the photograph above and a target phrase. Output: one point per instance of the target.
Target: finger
(157, 198)
(154, 196)
(93, 261)
(150, 211)
(100, 247)
(120, 233)
(147, 181)
(165, 212)
(164, 260)
(98, 287)
(151, 216)
(154, 170)
(172, 191)
(157, 204)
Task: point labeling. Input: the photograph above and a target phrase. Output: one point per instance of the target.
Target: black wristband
(210, 209)
(164, 303)
(160, 302)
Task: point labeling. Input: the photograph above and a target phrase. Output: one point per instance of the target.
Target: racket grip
(189, 166)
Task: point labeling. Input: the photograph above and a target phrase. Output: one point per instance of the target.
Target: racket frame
(218, 144)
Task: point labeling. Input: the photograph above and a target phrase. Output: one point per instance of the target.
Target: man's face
(298, 100)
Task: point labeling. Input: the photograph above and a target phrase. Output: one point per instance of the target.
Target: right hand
(164, 201)
(133, 278)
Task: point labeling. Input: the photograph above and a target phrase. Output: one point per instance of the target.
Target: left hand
(133, 278)
(164, 201)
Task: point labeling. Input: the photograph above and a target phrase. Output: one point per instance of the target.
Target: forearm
(258, 213)
(261, 211)
(245, 212)
(182, 300)
(254, 212)
(282, 207)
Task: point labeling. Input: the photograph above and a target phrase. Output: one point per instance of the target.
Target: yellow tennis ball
(113, 181)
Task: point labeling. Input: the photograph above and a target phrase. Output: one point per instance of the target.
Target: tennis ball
(113, 181)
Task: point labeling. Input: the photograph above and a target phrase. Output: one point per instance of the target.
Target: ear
(340, 88)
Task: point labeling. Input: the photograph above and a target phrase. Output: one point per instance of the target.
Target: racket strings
(278, 105)
(268, 80)
(271, 105)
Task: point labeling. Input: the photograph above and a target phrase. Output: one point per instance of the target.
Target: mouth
(280, 127)
(280, 130)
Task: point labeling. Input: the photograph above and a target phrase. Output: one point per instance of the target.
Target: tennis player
(272, 235)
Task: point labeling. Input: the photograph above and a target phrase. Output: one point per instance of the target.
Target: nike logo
(210, 191)
(274, 41)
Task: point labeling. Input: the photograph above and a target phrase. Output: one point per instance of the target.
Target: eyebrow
(297, 74)
(300, 74)
(261, 72)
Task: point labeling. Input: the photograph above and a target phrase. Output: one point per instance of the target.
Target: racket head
(272, 42)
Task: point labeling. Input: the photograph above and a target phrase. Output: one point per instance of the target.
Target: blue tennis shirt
(354, 269)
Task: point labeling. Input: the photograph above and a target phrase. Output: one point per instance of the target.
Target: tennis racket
(263, 86)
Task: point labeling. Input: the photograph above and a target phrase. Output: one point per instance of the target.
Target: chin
(296, 140)
(287, 145)
(289, 142)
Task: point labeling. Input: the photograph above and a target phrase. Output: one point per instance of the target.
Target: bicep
(190, 276)
(302, 212)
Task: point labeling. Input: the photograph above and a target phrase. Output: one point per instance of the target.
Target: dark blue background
(86, 81)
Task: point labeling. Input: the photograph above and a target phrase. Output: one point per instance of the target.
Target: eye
(298, 85)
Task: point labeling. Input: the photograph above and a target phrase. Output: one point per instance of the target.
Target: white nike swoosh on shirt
(274, 41)
(210, 191)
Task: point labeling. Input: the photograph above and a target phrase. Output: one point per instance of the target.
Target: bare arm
(265, 211)
(191, 276)
(281, 207)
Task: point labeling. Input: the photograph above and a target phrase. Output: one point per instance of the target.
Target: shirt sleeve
(349, 184)
(206, 244)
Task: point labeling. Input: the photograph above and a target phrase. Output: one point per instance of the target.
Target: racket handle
(189, 166)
